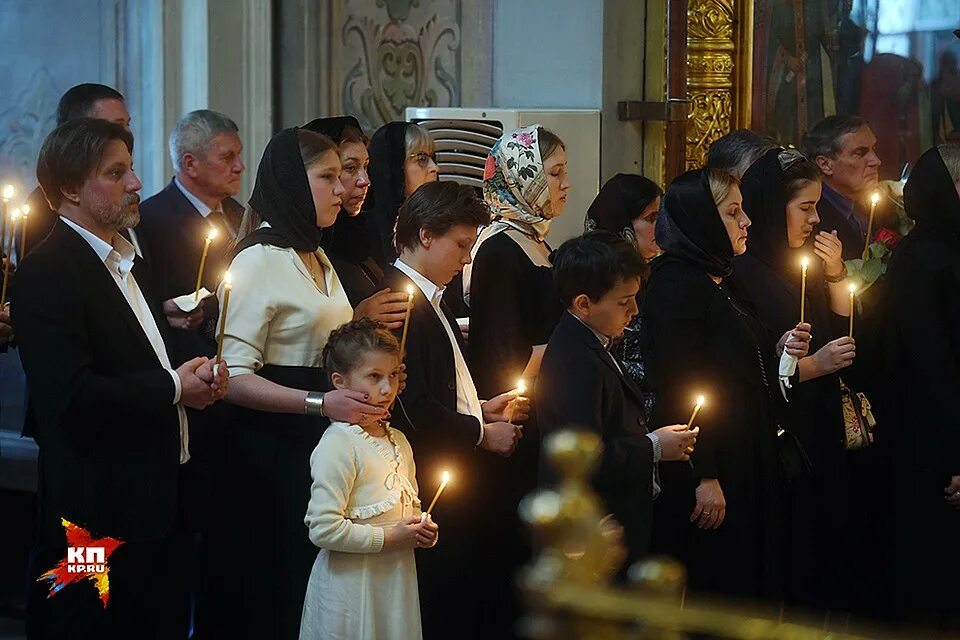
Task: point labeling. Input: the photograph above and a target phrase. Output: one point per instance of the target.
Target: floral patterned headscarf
(514, 182)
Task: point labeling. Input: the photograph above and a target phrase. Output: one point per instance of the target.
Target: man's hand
(217, 376)
(6, 329)
(676, 442)
(506, 407)
(500, 437)
(796, 342)
(180, 320)
(384, 306)
(195, 392)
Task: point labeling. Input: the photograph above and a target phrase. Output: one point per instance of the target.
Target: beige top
(277, 314)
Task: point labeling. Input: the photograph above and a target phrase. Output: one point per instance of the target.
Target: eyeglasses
(423, 159)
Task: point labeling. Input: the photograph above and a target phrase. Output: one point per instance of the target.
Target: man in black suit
(110, 422)
(582, 385)
(439, 410)
(205, 151)
(845, 149)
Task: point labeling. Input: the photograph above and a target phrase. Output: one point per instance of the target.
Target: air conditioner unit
(463, 137)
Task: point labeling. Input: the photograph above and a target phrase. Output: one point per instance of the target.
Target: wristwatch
(313, 404)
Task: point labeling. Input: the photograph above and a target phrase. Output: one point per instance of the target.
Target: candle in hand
(5, 197)
(803, 285)
(874, 199)
(7, 246)
(203, 259)
(406, 322)
(521, 389)
(853, 290)
(445, 478)
(227, 286)
(696, 410)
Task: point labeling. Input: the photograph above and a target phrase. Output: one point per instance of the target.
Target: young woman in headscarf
(514, 307)
(721, 515)
(285, 300)
(628, 205)
(401, 159)
(921, 317)
(780, 194)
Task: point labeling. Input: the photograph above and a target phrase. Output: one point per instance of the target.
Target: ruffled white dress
(362, 485)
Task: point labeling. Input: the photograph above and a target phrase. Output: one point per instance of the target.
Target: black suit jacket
(172, 234)
(106, 424)
(427, 408)
(579, 386)
(850, 234)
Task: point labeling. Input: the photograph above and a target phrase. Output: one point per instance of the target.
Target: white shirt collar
(121, 252)
(429, 289)
(604, 340)
(197, 203)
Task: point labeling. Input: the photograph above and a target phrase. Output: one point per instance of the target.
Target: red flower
(489, 168)
(888, 237)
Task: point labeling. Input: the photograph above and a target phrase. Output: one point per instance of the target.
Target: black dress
(698, 340)
(348, 248)
(513, 307)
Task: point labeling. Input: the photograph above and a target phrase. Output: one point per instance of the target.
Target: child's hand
(427, 532)
(402, 535)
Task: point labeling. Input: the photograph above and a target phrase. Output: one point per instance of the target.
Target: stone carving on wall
(710, 68)
(24, 125)
(399, 53)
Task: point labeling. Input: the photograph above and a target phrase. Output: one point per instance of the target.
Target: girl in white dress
(364, 512)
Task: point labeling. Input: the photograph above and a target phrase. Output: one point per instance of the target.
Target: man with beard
(109, 408)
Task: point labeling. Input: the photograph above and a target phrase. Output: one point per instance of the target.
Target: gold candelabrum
(569, 588)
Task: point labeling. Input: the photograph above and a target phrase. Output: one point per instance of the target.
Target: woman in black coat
(921, 333)
(722, 515)
(780, 194)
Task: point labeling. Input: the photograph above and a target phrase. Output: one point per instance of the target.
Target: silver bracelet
(313, 404)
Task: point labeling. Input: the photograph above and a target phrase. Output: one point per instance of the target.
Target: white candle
(853, 290)
(443, 485)
(874, 199)
(227, 286)
(696, 410)
(203, 259)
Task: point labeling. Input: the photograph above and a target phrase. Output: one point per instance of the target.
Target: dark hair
(351, 134)
(437, 207)
(314, 145)
(738, 150)
(593, 264)
(78, 101)
(548, 142)
(824, 138)
(349, 342)
(798, 171)
(72, 152)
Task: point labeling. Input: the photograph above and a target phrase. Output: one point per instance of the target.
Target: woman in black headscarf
(721, 515)
(401, 159)
(921, 329)
(285, 300)
(628, 205)
(780, 194)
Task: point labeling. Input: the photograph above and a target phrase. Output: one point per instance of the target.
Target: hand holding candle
(874, 199)
(804, 263)
(696, 410)
(520, 390)
(7, 246)
(203, 260)
(406, 322)
(227, 286)
(445, 478)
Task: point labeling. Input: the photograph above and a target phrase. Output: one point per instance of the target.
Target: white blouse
(276, 314)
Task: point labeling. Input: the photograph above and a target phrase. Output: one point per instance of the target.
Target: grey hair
(738, 150)
(950, 154)
(417, 139)
(193, 133)
(824, 138)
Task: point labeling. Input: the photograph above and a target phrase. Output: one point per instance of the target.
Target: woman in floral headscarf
(514, 307)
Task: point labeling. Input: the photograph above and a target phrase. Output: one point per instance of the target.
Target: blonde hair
(950, 154)
(720, 184)
(417, 139)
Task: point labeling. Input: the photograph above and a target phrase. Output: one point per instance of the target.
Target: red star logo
(87, 559)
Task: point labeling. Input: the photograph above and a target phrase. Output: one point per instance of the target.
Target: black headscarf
(347, 238)
(620, 201)
(388, 152)
(282, 197)
(930, 197)
(689, 226)
(765, 202)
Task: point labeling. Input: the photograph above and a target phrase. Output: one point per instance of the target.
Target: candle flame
(875, 197)
(410, 290)
(445, 477)
(25, 210)
(805, 262)
(853, 288)
(228, 279)
(211, 234)
(8, 192)
(700, 401)
(521, 387)
(15, 213)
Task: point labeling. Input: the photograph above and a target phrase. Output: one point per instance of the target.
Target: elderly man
(844, 148)
(109, 406)
(205, 151)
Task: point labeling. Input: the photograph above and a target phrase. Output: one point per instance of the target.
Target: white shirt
(118, 259)
(197, 203)
(468, 402)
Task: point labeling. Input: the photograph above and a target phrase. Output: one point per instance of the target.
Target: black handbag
(794, 461)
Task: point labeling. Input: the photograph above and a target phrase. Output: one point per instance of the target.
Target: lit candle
(7, 246)
(803, 285)
(874, 199)
(696, 410)
(203, 260)
(853, 290)
(24, 212)
(521, 389)
(227, 286)
(445, 478)
(5, 196)
(406, 322)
